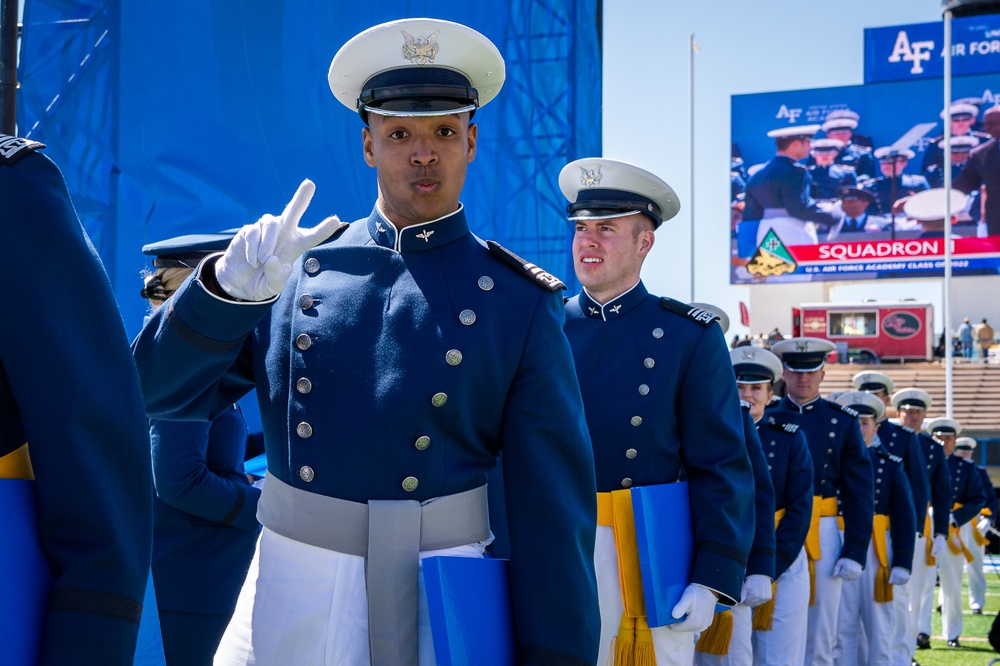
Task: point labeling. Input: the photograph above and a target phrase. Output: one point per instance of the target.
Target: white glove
(952, 521)
(983, 525)
(259, 259)
(847, 569)
(698, 603)
(899, 576)
(937, 545)
(756, 590)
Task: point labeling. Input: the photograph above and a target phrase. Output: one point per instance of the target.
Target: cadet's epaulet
(844, 408)
(744, 404)
(790, 428)
(526, 268)
(891, 456)
(704, 317)
(13, 148)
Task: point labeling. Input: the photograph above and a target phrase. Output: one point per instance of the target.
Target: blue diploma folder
(24, 574)
(470, 611)
(665, 537)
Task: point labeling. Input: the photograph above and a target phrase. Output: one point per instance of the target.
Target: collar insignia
(593, 311)
(616, 308)
(426, 235)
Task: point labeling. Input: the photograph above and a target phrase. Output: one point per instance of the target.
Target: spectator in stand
(984, 337)
(965, 337)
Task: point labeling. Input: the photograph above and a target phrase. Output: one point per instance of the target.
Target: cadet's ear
(368, 146)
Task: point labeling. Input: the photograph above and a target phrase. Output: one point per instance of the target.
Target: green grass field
(975, 650)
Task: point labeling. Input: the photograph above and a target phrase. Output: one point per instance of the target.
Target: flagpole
(948, 348)
(692, 49)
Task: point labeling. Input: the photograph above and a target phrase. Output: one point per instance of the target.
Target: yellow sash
(763, 615)
(822, 507)
(634, 643)
(955, 544)
(929, 538)
(883, 591)
(17, 464)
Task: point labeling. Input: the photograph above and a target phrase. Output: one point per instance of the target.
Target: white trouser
(790, 230)
(822, 629)
(306, 605)
(977, 577)
(950, 572)
(739, 653)
(673, 648)
(785, 643)
(904, 623)
(922, 600)
(862, 620)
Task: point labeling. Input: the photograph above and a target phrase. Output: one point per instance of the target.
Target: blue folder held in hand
(470, 610)
(665, 537)
(24, 574)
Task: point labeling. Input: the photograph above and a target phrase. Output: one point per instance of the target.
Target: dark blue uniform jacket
(940, 482)
(893, 499)
(782, 183)
(791, 468)
(840, 464)
(69, 388)
(649, 375)
(205, 515)
(420, 355)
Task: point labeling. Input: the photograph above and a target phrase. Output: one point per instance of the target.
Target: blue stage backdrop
(190, 116)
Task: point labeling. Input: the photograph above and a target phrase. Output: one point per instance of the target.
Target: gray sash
(391, 535)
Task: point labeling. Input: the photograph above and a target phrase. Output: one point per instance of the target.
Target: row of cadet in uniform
(932, 508)
(473, 353)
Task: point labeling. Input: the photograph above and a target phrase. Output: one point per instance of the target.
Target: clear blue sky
(746, 46)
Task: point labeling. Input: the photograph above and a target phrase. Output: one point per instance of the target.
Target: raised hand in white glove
(847, 569)
(259, 259)
(899, 576)
(698, 603)
(937, 545)
(756, 590)
(983, 525)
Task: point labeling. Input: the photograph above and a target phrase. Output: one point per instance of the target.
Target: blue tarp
(191, 116)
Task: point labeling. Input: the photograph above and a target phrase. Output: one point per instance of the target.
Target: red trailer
(872, 331)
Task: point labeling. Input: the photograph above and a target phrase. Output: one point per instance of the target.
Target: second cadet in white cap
(647, 368)
(866, 604)
(969, 498)
(841, 470)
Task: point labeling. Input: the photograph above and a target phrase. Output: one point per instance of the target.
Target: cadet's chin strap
(17, 464)
(883, 590)
(763, 615)
(633, 646)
